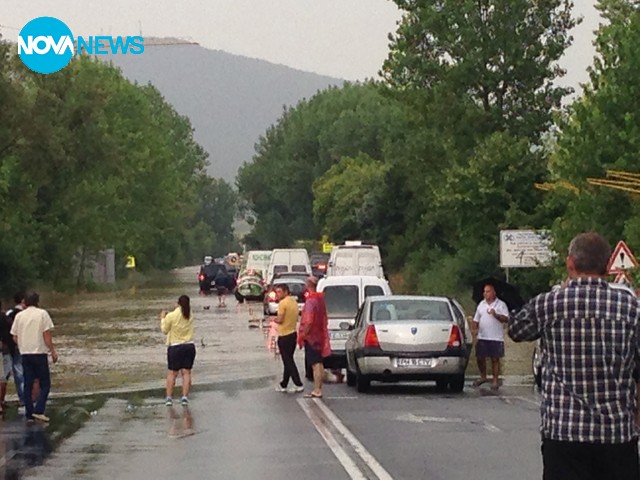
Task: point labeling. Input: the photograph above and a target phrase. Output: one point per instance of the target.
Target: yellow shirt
(177, 328)
(288, 307)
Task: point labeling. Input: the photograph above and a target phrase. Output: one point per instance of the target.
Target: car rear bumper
(386, 367)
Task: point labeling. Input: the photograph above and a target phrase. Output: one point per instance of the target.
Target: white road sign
(525, 248)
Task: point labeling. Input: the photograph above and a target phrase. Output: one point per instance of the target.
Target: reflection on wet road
(22, 446)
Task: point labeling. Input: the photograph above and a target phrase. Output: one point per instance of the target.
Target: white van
(343, 296)
(258, 260)
(283, 260)
(353, 258)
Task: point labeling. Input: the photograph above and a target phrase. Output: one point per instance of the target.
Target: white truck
(354, 258)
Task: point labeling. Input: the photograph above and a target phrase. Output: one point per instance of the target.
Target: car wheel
(362, 382)
(456, 383)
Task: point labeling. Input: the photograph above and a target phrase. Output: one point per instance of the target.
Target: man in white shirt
(491, 314)
(31, 330)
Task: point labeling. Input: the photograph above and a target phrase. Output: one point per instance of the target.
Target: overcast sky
(342, 38)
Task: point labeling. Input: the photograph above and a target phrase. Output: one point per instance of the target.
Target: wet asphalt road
(238, 427)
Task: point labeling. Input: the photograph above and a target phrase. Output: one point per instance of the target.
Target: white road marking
(410, 417)
(349, 465)
(364, 454)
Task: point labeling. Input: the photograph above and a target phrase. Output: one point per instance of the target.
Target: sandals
(480, 381)
(312, 395)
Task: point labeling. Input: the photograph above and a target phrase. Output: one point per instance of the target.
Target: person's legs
(287, 347)
(171, 382)
(18, 375)
(29, 376)
(186, 381)
(44, 378)
(568, 461)
(318, 377)
(495, 368)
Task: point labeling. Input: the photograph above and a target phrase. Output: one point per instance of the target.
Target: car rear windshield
(373, 290)
(341, 301)
(416, 310)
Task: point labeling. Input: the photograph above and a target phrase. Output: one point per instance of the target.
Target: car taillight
(201, 277)
(322, 266)
(371, 337)
(455, 337)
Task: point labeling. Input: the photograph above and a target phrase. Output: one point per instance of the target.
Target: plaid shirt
(591, 340)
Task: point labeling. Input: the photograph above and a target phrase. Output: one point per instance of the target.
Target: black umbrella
(506, 292)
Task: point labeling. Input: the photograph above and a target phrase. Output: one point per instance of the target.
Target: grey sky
(341, 38)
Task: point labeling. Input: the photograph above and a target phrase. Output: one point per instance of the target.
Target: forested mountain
(231, 100)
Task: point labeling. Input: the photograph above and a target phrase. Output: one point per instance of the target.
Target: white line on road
(410, 417)
(349, 465)
(369, 459)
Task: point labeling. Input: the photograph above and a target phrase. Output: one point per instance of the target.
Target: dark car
(319, 262)
(207, 276)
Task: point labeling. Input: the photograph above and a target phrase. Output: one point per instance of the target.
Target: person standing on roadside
(287, 321)
(11, 359)
(591, 341)
(314, 334)
(487, 325)
(32, 332)
(181, 351)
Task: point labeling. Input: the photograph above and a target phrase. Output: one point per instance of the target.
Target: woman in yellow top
(287, 321)
(181, 351)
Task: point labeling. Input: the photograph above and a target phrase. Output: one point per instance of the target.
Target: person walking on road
(314, 334)
(287, 321)
(11, 359)
(32, 332)
(487, 325)
(181, 351)
(591, 335)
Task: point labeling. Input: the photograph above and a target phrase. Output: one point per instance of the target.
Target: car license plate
(339, 335)
(414, 362)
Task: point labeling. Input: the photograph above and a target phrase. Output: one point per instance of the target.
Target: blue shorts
(311, 355)
(489, 349)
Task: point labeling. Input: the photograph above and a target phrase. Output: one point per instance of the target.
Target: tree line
(465, 134)
(89, 161)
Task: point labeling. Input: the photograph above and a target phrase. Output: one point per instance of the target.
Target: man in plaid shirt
(591, 343)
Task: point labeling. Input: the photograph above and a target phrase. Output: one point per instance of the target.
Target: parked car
(288, 260)
(538, 351)
(354, 258)
(257, 260)
(407, 337)
(343, 296)
(319, 264)
(296, 288)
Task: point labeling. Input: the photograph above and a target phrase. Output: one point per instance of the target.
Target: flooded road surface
(107, 388)
(110, 341)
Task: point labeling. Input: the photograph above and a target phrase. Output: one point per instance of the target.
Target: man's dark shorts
(181, 356)
(489, 349)
(311, 355)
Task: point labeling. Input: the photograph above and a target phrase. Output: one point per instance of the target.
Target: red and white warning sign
(622, 259)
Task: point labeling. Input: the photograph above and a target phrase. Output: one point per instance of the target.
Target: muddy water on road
(113, 340)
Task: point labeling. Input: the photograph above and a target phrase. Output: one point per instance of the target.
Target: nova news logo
(46, 45)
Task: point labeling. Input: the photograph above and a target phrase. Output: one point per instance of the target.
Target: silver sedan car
(408, 337)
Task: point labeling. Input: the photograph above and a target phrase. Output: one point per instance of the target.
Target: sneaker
(168, 402)
(296, 389)
(184, 401)
(41, 417)
(281, 389)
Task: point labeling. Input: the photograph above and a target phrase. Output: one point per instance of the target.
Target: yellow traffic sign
(131, 261)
